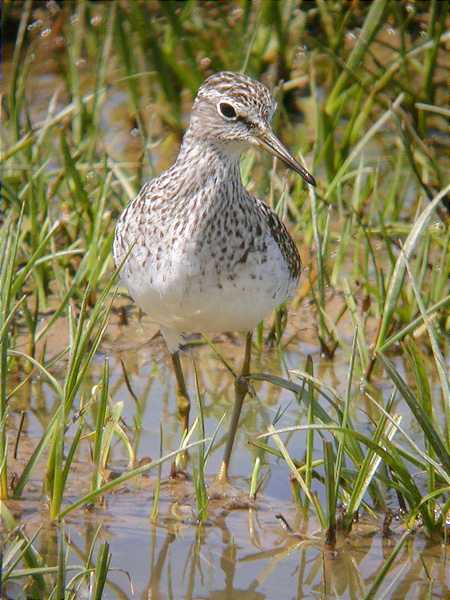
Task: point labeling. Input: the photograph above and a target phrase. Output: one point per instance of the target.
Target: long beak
(269, 141)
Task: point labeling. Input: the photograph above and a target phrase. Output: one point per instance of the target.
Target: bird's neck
(207, 160)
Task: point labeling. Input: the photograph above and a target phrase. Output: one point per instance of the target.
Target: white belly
(192, 293)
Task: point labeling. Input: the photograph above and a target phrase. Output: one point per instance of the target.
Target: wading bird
(200, 253)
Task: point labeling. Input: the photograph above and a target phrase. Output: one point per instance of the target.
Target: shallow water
(239, 553)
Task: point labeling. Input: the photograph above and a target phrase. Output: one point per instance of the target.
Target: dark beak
(269, 141)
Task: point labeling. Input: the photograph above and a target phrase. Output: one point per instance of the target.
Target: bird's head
(235, 111)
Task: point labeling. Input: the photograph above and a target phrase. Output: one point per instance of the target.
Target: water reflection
(241, 554)
(175, 560)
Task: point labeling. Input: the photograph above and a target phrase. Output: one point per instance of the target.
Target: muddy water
(240, 553)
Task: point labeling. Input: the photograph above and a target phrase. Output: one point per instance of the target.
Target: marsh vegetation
(343, 454)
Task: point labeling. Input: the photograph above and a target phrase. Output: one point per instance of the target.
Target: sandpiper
(203, 254)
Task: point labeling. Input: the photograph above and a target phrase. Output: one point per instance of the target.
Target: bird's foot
(223, 492)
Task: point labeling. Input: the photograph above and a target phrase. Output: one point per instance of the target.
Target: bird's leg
(240, 391)
(183, 401)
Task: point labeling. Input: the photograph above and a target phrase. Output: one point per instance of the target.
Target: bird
(198, 252)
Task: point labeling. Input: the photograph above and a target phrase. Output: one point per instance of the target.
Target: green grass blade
(371, 25)
(330, 488)
(101, 571)
(432, 435)
(396, 279)
(373, 590)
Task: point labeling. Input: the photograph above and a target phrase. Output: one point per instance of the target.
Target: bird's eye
(227, 111)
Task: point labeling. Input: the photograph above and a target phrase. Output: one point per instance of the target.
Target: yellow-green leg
(240, 391)
(183, 401)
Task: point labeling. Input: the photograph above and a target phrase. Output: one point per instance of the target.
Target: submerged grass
(373, 124)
